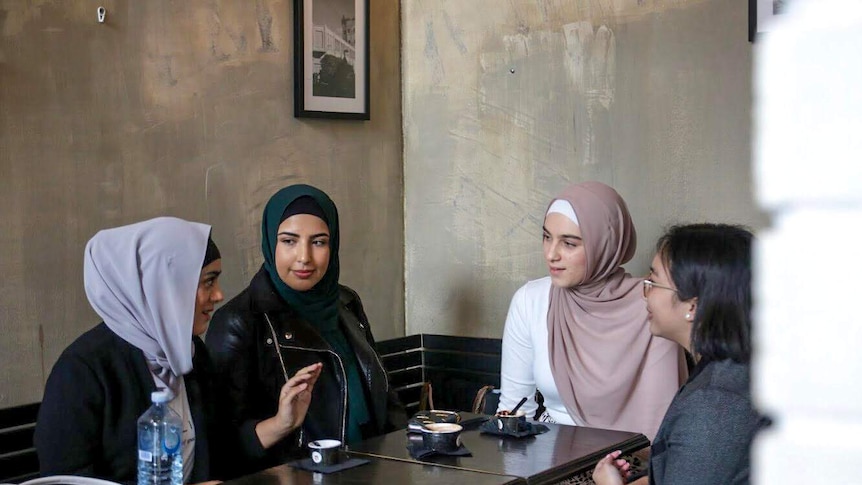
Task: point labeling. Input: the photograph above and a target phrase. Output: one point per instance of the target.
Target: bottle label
(145, 455)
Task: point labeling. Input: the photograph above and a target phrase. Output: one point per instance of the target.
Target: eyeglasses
(649, 284)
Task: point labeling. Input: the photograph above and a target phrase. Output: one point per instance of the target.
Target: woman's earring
(688, 316)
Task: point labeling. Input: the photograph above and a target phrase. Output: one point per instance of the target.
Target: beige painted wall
(179, 108)
(505, 103)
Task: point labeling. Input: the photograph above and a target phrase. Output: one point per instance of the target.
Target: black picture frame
(331, 61)
(761, 14)
(752, 19)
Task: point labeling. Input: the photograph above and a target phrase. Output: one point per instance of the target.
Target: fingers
(316, 371)
(306, 374)
(291, 388)
(605, 472)
(303, 380)
(610, 458)
(605, 461)
(290, 394)
(613, 458)
(313, 368)
(622, 465)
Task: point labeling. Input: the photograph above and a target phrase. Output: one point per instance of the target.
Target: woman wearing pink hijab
(580, 335)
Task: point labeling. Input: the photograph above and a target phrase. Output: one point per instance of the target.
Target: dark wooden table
(544, 458)
(388, 472)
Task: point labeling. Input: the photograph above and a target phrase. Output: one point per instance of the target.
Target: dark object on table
(442, 437)
(326, 452)
(493, 426)
(512, 423)
(423, 418)
(308, 465)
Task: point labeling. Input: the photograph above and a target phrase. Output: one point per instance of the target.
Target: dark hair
(713, 263)
(212, 253)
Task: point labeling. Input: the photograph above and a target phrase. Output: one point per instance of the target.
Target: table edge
(635, 443)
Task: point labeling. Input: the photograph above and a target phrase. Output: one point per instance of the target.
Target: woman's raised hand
(293, 402)
(295, 397)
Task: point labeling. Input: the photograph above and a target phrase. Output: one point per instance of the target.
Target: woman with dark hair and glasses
(698, 295)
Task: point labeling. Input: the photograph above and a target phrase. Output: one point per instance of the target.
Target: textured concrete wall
(505, 103)
(178, 108)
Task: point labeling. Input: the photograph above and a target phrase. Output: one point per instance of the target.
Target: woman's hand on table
(293, 402)
(611, 470)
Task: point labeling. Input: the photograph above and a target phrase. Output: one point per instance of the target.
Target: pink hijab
(609, 370)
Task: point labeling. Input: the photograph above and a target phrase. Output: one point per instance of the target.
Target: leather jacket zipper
(343, 384)
(343, 375)
(376, 357)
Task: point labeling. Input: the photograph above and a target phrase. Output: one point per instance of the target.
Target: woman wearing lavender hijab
(580, 335)
(154, 284)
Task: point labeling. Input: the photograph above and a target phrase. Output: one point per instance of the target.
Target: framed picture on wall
(331, 59)
(761, 14)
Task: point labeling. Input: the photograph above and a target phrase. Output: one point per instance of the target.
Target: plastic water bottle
(160, 455)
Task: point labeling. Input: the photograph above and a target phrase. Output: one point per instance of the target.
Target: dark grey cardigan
(705, 436)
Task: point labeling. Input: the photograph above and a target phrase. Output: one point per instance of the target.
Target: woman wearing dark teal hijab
(293, 315)
(316, 301)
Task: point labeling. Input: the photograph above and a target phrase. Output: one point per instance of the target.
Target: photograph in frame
(331, 59)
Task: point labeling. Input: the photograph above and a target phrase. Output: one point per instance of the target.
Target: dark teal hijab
(319, 305)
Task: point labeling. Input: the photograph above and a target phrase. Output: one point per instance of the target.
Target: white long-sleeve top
(525, 364)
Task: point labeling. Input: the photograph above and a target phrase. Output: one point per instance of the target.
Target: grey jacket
(705, 436)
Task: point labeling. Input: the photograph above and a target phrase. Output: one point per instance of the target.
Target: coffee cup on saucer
(445, 437)
(325, 452)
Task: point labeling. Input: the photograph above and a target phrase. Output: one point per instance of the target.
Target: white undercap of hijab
(563, 207)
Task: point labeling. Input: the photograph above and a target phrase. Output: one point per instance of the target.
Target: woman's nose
(302, 253)
(217, 294)
(551, 253)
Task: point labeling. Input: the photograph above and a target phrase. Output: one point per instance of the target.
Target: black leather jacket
(241, 340)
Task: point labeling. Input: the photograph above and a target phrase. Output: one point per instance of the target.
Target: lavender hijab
(609, 370)
(142, 280)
